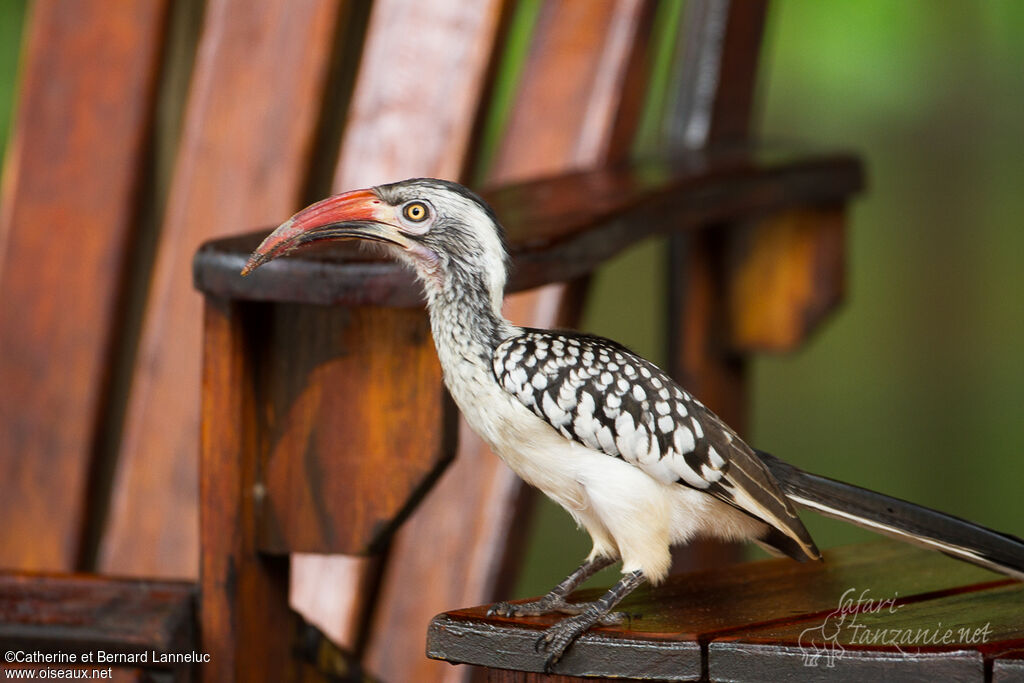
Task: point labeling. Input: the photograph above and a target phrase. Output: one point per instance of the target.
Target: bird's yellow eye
(415, 211)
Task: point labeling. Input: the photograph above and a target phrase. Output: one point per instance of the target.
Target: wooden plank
(357, 422)
(457, 539)
(246, 625)
(75, 614)
(572, 97)
(786, 274)
(558, 227)
(248, 134)
(413, 109)
(671, 620)
(947, 638)
(69, 198)
(1008, 667)
(416, 96)
(507, 676)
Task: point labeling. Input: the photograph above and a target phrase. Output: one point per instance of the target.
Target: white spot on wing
(683, 440)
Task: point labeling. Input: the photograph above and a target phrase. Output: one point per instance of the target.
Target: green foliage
(12, 18)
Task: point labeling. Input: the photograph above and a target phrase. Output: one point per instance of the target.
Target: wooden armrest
(558, 228)
(767, 620)
(80, 613)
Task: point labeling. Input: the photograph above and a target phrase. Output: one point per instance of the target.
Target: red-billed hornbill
(632, 457)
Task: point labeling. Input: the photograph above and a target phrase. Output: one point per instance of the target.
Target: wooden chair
(112, 185)
(306, 320)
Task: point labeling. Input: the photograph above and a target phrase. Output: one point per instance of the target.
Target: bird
(635, 459)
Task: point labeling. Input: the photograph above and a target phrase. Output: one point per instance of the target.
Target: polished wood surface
(244, 620)
(786, 275)
(96, 613)
(346, 392)
(249, 128)
(749, 622)
(70, 193)
(79, 614)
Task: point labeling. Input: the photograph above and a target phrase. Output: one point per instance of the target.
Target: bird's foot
(556, 639)
(551, 605)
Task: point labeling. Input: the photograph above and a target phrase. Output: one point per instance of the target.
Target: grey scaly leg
(554, 601)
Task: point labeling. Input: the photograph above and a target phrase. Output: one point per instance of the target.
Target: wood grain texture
(457, 540)
(69, 200)
(85, 613)
(786, 274)
(948, 637)
(249, 124)
(416, 96)
(1008, 667)
(244, 619)
(357, 422)
(508, 676)
(723, 605)
(418, 90)
(570, 94)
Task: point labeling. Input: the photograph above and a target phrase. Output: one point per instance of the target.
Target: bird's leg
(557, 639)
(554, 601)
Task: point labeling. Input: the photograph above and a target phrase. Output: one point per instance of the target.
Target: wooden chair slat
(69, 199)
(1008, 667)
(587, 48)
(244, 154)
(244, 620)
(75, 614)
(786, 275)
(423, 71)
(411, 114)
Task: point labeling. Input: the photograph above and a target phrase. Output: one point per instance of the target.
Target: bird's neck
(466, 321)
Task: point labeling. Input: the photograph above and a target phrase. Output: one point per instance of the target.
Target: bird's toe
(557, 639)
(501, 609)
(615, 618)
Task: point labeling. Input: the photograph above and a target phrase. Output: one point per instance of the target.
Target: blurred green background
(916, 387)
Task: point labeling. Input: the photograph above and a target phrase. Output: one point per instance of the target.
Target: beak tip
(254, 262)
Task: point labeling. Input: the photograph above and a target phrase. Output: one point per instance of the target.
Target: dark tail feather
(916, 524)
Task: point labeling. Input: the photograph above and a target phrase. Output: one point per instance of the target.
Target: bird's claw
(502, 609)
(557, 639)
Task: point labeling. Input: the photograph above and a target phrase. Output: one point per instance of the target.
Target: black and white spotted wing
(600, 394)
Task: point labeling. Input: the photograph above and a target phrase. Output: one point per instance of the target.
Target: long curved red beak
(359, 214)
